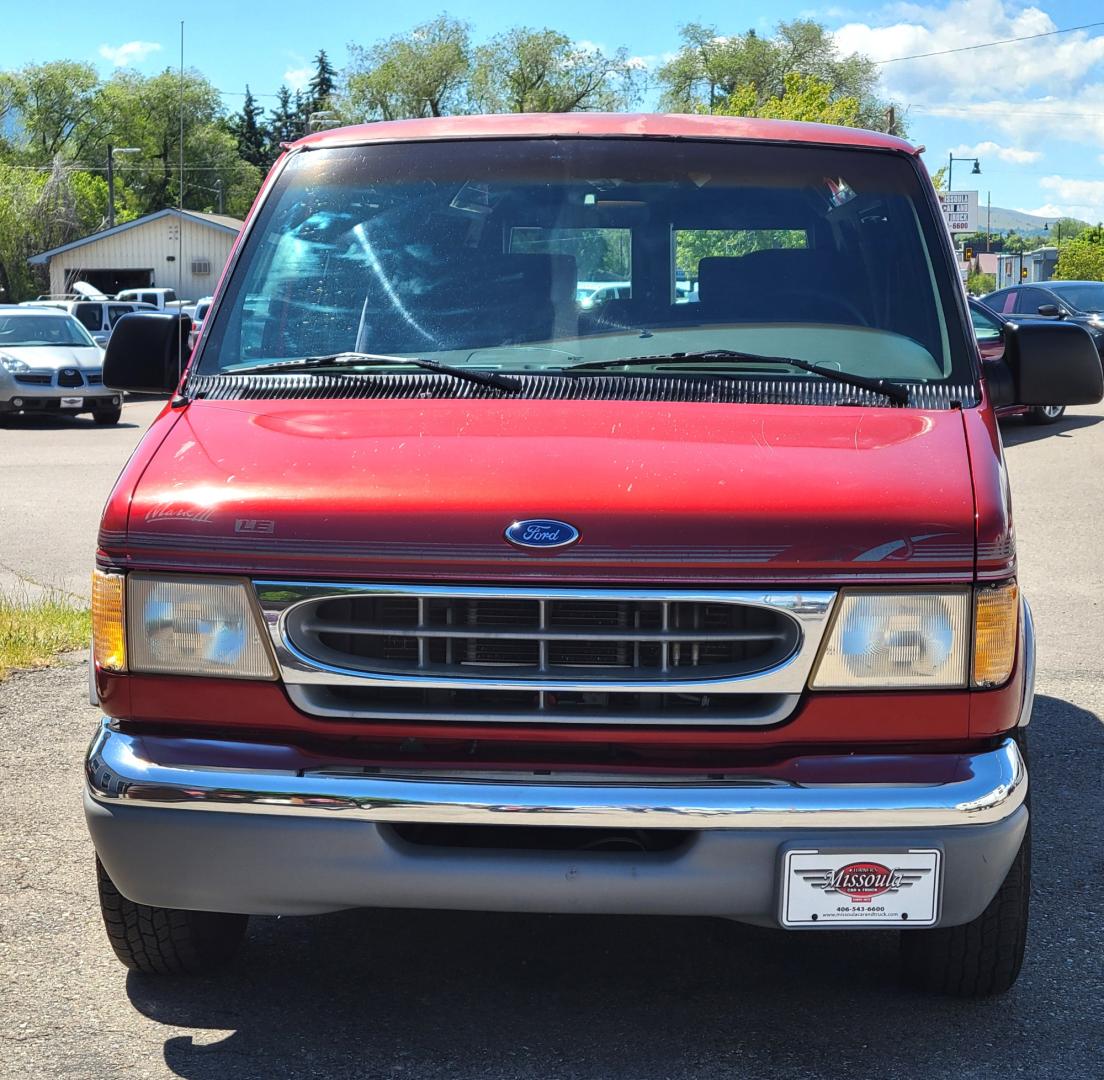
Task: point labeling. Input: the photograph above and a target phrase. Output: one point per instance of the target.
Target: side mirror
(1002, 390)
(1053, 364)
(1050, 311)
(147, 352)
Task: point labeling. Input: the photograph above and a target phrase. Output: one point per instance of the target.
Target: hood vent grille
(715, 389)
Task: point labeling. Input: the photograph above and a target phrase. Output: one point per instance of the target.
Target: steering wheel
(824, 300)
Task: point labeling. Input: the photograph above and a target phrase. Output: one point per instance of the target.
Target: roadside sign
(960, 210)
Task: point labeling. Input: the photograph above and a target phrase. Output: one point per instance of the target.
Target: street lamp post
(111, 152)
(951, 159)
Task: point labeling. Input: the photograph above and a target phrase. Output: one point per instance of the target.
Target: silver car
(49, 363)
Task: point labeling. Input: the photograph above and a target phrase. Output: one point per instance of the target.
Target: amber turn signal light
(996, 627)
(108, 621)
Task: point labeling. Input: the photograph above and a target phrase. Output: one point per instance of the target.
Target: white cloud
(1071, 197)
(1056, 66)
(1047, 210)
(989, 149)
(131, 52)
(298, 78)
(651, 61)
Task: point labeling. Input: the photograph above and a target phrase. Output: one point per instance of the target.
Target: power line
(990, 44)
(966, 111)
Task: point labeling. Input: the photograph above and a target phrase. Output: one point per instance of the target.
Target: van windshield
(537, 255)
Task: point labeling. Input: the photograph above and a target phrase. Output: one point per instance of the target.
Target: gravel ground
(425, 995)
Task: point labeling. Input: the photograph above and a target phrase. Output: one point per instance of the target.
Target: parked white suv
(49, 363)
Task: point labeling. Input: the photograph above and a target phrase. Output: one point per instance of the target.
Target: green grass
(34, 630)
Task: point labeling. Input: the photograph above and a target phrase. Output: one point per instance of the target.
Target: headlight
(194, 626)
(913, 640)
(13, 364)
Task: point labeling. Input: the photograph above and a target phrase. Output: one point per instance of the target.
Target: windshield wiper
(362, 359)
(892, 391)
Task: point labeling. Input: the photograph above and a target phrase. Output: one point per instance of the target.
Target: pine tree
(323, 84)
(303, 109)
(248, 131)
(284, 125)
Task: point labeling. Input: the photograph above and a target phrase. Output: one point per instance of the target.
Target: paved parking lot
(426, 995)
(54, 477)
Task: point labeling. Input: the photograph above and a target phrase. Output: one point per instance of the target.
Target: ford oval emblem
(541, 533)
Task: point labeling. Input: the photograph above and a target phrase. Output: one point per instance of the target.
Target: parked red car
(430, 588)
(989, 331)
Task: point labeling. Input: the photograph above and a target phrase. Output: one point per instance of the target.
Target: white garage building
(182, 250)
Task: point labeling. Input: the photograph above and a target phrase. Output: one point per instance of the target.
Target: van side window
(90, 316)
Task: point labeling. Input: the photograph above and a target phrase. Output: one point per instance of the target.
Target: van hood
(657, 491)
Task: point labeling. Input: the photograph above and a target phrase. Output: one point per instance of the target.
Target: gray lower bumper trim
(302, 866)
(941, 791)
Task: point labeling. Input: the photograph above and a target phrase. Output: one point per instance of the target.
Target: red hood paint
(660, 492)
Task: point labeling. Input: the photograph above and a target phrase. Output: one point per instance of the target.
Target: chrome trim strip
(312, 699)
(988, 787)
(809, 608)
(1029, 666)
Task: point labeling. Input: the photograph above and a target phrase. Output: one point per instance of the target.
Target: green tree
(709, 67)
(247, 130)
(146, 114)
(803, 97)
(323, 83)
(979, 284)
(1067, 228)
(19, 192)
(526, 70)
(1082, 259)
(422, 73)
(54, 108)
(284, 124)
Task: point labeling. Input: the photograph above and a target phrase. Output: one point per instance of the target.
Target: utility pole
(110, 186)
(111, 152)
(891, 121)
(218, 189)
(988, 219)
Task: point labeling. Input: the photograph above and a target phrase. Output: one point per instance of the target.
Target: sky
(1031, 111)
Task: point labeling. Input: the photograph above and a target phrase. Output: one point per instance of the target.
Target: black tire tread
(980, 958)
(166, 941)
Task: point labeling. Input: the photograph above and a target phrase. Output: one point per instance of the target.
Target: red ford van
(435, 587)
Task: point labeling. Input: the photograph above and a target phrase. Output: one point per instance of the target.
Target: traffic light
(1023, 273)
(968, 253)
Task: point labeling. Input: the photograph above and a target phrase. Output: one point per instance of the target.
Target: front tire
(1046, 414)
(166, 941)
(980, 958)
(108, 416)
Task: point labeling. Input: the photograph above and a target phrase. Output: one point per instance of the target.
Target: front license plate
(860, 888)
(72, 403)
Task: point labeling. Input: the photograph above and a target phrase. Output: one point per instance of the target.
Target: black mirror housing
(147, 352)
(1053, 363)
(1002, 390)
(1050, 311)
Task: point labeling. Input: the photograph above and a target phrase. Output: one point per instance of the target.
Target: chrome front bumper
(281, 839)
(940, 790)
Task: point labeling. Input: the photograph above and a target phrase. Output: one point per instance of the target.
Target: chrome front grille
(624, 656)
(632, 639)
